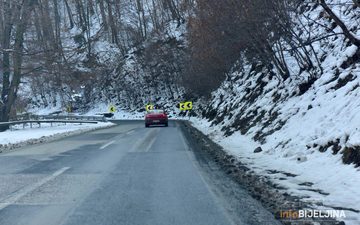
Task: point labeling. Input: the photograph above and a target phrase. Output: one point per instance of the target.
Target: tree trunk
(138, 11)
(1, 20)
(69, 14)
(81, 14)
(10, 88)
(57, 25)
(47, 28)
(38, 28)
(144, 23)
(347, 33)
(91, 7)
(154, 16)
(114, 36)
(4, 105)
(103, 15)
(169, 4)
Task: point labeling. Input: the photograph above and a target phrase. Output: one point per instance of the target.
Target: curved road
(127, 174)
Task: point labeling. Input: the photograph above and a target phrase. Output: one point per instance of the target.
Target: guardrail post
(11, 128)
(23, 125)
(30, 124)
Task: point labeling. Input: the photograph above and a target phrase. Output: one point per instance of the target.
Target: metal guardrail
(73, 117)
(43, 121)
(56, 119)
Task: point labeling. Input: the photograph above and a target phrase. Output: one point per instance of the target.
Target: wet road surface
(127, 174)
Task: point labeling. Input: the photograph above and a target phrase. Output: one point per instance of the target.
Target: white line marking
(129, 132)
(22, 192)
(104, 146)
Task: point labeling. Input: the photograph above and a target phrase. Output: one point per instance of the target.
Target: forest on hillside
(77, 50)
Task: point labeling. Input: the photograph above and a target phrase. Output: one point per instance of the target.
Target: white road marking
(129, 132)
(22, 192)
(104, 146)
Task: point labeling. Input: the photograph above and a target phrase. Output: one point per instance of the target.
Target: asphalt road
(127, 174)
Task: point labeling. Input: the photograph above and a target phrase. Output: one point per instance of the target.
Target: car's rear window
(156, 111)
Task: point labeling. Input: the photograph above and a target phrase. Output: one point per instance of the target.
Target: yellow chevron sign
(148, 107)
(112, 108)
(182, 106)
(188, 105)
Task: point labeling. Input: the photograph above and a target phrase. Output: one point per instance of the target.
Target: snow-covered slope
(305, 112)
(307, 125)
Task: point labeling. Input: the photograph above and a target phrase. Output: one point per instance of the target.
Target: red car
(156, 116)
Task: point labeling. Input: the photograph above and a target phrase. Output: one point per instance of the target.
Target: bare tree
(11, 83)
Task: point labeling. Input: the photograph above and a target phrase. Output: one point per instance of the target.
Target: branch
(309, 42)
(320, 38)
(327, 28)
(347, 33)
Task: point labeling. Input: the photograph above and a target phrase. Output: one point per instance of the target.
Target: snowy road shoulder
(20, 137)
(322, 180)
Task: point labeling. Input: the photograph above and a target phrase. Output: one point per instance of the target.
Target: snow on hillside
(307, 132)
(320, 179)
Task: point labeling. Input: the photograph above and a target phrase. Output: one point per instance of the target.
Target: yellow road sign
(182, 106)
(188, 105)
(68, 109)
(112, 108)
(148, 107)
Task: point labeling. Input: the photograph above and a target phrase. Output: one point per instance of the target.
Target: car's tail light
(163, 114)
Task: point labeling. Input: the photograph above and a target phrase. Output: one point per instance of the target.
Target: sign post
(186, 106)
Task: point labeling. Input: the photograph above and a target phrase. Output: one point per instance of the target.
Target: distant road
(126, 174)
